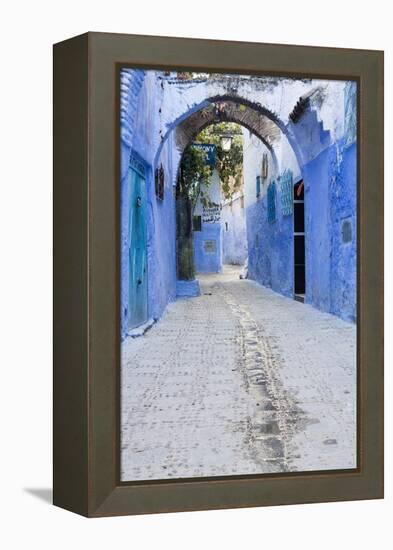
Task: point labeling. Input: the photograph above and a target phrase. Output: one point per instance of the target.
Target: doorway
(299, 242)
(137, 302)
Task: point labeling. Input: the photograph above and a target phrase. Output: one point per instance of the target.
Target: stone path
(238, 381)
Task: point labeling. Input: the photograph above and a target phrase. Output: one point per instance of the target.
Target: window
(197, 223)
(299, 242)
(271, 202)
(258, 186)
(346, 230)
(265, 166)
(160, 182)
(298, 191)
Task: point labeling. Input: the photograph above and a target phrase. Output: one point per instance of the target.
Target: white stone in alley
(239, 380)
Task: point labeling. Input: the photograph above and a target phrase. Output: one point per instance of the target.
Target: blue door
(137, 245)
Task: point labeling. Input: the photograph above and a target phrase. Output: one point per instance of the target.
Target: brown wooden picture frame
(86, 274)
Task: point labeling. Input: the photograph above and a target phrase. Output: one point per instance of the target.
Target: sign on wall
(209, 247)
(211, 214)
(286, 192)
(271, 202)
(210, 151)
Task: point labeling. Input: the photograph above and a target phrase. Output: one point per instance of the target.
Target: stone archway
(258, 120)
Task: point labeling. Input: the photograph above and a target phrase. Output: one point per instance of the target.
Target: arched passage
(276, 142)
(267, 126)
(200, 200)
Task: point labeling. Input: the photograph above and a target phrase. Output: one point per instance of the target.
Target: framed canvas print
(218, 274)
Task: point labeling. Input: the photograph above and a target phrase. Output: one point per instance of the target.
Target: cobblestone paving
(238, 381)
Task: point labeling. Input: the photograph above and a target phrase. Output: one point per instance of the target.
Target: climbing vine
(193, 183)
(228, 163)
(195, 174)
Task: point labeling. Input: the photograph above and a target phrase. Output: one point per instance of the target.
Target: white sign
(211, 214)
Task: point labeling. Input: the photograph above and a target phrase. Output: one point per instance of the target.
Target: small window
(226, 226)
(346, 230)
(258, 186)
(265, 166)
(197, 223)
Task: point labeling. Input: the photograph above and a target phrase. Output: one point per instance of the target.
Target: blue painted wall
(270, 247)
(162, 243)
(330, 235)
(329, 172)
(131, 83)
(138, 119)
(343, 211)
(317, 174)
(330, 202)
(208, 262)
(234, 235)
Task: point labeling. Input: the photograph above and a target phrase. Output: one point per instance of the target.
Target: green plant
(194, 175)
(228, 163)
(193, 183)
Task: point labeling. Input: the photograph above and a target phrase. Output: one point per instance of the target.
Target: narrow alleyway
(238, 381)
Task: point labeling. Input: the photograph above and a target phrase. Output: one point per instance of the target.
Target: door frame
(141, 167)
(296, 296)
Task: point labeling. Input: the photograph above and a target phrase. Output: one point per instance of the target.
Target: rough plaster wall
(234, 235)
(329, 105)
(131, 82)
(343, 195)
(286, 159)
(161, 258)
(253, 150)
(270, 245)
(147, 123)
(330, 262)
(270, 248)
(317, 174)
(330, 200)
(275, 96)
(140, 104)
(310, 136)
(343, 211)
(162, 241)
